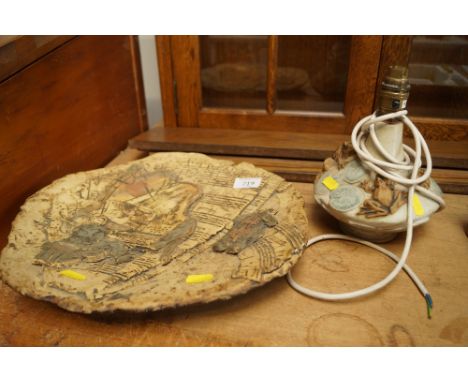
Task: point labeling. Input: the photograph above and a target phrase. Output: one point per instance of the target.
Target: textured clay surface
(127, 237)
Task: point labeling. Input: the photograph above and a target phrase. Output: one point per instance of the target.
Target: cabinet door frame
(181, 90)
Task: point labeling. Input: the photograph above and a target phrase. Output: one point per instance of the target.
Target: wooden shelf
(275, 144)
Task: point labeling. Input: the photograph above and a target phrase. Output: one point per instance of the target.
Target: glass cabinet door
(233, 71)
(291, 83)
(312, 72)
(438, 73)
(310, 84)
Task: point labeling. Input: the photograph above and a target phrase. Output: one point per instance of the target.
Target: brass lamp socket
(394, 90)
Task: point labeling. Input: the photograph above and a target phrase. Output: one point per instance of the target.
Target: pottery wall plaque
(164, 231)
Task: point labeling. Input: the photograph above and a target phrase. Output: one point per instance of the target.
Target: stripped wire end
(429, 305)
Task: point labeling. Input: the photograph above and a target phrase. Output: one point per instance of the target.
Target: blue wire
(428, 298)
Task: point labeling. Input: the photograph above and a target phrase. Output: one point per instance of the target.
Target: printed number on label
(247, 182)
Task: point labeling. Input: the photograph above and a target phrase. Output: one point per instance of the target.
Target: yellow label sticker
(73, 275)
(193, 279)
(417, 206)
(330, 183)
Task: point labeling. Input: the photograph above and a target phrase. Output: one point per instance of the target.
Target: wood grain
(451, 181)
(276, 315)
(17, 52)
(237, 142)
(74, 109)
(239, 119)
(362, 78)
(166, 80)
(272, 73)
(453, 52)
(139, 90)
(6, 39)
(439, 129)
(275, 144)
(186, 66)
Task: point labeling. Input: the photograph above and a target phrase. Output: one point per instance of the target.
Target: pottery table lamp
(375, 185)
(367, 204)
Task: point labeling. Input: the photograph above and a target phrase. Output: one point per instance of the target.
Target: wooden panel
(448, 154)
(275, 144)
(139, 91)
(362, 78)
(166, 80)
(72, 110)
(449, 50)
(6, 39)
(276, 315)
(217, 118)
(451, 181)
(272, 73)
(438, 129)
(20, 51)
(186, 62)
(278, 144)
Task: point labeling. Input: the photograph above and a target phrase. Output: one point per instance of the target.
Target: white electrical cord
(387, 169)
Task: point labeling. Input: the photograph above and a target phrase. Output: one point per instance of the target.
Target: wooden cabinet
(67, 104)
(299, 97)
(313, 84)
(290, 83)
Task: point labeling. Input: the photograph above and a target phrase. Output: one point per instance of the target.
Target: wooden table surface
(275, 314)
